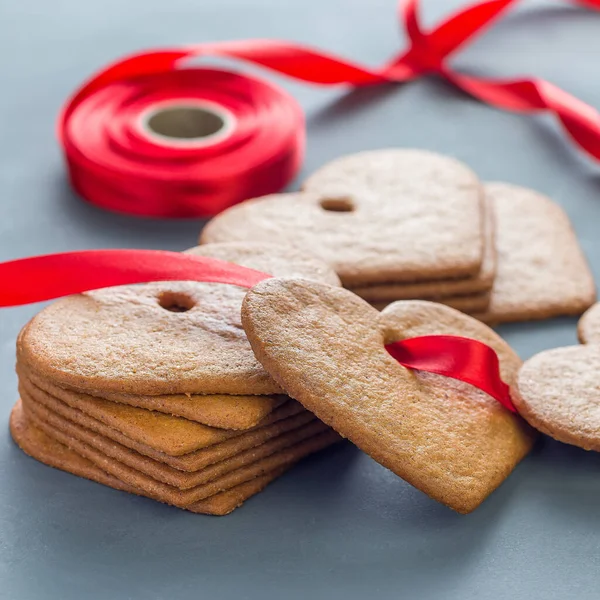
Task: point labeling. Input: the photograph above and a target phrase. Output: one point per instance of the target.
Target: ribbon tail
(40, 278)
(580, 120)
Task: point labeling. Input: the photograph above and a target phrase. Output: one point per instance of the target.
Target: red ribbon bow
(113, 165)
(39, 278)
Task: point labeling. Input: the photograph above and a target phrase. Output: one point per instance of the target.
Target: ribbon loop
(457, 357)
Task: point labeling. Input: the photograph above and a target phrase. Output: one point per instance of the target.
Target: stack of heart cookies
(154, 389)
(408, 224)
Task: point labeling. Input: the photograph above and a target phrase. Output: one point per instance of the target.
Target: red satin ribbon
(460, 358)
(39, 278)
(114, 165)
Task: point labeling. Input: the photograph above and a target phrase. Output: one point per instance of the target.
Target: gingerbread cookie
(589, 326)
(326, 347)
(270, 258)
(375, 217)
(466, 304)
(541, 270)
(446, 289)
(157, 339)
(164, 433)
(558, 392)
(223, 411)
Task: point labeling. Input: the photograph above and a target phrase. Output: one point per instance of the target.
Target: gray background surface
(337, 526)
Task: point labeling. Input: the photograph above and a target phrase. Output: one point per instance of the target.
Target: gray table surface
(337, 526)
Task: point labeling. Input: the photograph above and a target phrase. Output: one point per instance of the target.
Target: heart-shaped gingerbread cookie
(379, 216)
(326, 347)
(160, 338)
(589, 326)
(558, 392)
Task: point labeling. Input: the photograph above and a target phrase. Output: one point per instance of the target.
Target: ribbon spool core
(187, 124)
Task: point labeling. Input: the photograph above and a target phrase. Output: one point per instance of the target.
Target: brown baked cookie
(380, 216)
(589, 326)
(167, 434)
(541, 270)
(270, 258)
(443, 288)
(47, 450)
(224, 411)
(558, 392)
(466, 304)
(160, 338)
(326, 347)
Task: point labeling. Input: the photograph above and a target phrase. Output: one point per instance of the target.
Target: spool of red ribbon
(146, 138)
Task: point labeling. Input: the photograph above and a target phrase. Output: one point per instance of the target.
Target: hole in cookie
(338, 204)
(175, 302)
